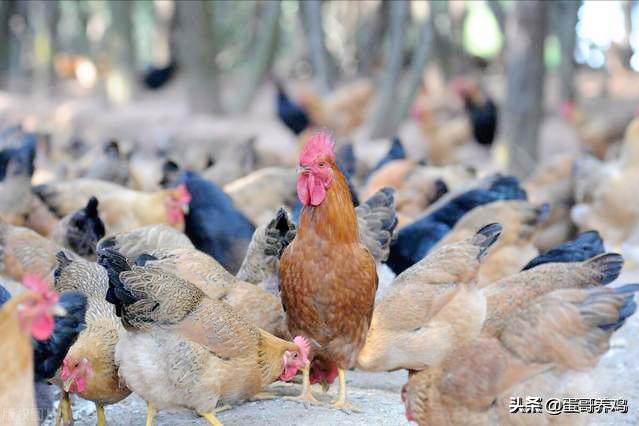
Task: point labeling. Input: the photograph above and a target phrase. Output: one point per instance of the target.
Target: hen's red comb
(40, 286)
(322, 143)
(304, 345)
(35, 283)
(184, 194)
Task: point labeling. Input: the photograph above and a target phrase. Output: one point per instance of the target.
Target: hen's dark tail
(117, 294)
(486, 237)
(607, 266)
(85, 229)
(583, 247)
(628, 308)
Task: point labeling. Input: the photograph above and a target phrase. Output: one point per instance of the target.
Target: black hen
(85, 229)
(155, 78)
(213, 223)
(584, 246)
(19, 160)
(290, 113)
(483, 118)
(416, 239)
(396, 152)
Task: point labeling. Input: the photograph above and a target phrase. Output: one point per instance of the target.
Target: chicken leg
(306, 397)
(264, 396)
(150, 413)
(341, 403)
(211, 418)
(65, 413)
(99, 411)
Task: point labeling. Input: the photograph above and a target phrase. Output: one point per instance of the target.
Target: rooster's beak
(302, 169)
(68, 383)
(185, 209)
(57, 310)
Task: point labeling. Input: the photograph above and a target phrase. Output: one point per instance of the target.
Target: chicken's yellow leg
(99, 410)
(221, 408)
(65, 413)
(264, 396)
(341, 403)
(150, 413)
(211, 418)
(306, 397)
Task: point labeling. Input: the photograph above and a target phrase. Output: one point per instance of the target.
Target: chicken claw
(222, 408)
(306, 397)
(341, 403)
(150, 413)
(65, 413)
(211, 418)
(264, 396)
(99, 411)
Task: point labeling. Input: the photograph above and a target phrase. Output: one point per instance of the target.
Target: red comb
(322, 143)
(40, 286)
(566, 108)
(183, 192)
(304, 345)
(35, 283)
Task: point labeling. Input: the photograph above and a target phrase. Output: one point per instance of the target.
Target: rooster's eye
(322, 164)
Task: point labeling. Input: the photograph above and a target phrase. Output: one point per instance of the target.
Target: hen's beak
(66, 385)
(185, 208)
(57, 310)
(325, 386)
(302, 169)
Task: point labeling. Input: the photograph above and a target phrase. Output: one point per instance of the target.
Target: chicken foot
(211, 418)
(222, 408)
(306, 397)
(65, 413)
(150, 413)
(341, 403)
(99, 411)
(264, 396)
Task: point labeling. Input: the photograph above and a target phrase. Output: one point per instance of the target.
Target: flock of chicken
(201, 293)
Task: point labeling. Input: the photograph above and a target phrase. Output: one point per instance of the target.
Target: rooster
(327, 276)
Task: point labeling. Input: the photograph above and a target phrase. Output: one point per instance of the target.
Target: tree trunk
(263, 55)
(565, 22)
(312, 12)
(442, 45)
(45, 22)
(8, 40)
(387, 98)
(500, 16)
(626, 48)
(196, 40)
(418, 63)
(121, 77)
(369, 51)
(525, 32)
